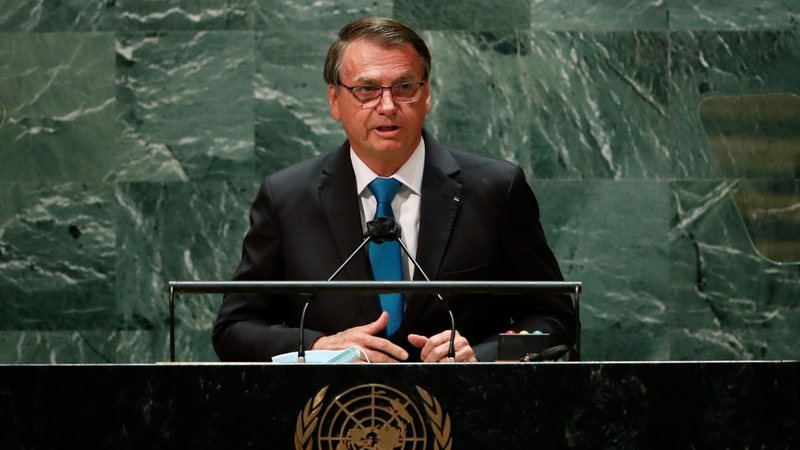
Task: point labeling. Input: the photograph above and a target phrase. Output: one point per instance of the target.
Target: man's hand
(434, 348)
(377, 349)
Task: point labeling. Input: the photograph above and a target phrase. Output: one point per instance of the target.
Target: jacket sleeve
(252, 327)
(528, 257)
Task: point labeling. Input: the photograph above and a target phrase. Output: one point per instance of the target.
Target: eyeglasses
(369, 95)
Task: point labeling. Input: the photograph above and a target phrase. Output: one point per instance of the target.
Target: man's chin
(389, 146)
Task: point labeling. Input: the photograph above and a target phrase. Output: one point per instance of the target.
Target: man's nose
(387, 103)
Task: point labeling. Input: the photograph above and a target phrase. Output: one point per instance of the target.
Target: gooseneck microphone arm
(379, 230)
(301, 353)
(386, 228)
(451, 351)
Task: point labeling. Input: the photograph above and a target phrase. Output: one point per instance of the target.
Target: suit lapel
(438, 209)
(337, 193)
(440, 202)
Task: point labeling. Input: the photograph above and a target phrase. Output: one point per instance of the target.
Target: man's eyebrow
(373, 82)
(364, 80)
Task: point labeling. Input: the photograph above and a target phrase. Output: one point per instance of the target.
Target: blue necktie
(385, 257)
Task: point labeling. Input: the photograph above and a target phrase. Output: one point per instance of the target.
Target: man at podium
(462, 216)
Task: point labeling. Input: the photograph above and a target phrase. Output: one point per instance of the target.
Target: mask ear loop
(363, 352)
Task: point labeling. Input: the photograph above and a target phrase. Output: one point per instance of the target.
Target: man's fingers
(436, 347)
(439, 353)
(435, 341)
(466, 354)
(384, 346)
(379, 357)
(417, 340)
(377, 348)
(375, 327)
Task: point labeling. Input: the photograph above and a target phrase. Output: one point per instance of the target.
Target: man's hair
(386, 32)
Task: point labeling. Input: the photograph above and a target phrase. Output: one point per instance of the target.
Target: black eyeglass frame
(379, 90)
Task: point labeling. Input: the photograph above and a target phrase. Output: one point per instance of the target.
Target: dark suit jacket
(479, 220)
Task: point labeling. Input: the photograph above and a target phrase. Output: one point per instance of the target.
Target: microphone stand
(301, 353)
(379, 230)
(386, 228)
(451, 351)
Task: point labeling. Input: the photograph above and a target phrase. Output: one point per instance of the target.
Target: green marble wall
(137, 133)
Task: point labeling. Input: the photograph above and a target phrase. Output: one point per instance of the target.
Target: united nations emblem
(372, 417)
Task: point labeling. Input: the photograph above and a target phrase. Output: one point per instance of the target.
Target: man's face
(383, 136)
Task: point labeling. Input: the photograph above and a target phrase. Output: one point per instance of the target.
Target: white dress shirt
(405, 204)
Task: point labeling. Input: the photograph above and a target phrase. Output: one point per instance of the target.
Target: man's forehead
(369, 60)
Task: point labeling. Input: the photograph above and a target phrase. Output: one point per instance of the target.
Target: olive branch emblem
(440, 421)
(307, 421)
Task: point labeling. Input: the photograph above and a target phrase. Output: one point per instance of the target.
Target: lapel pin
(456, 199)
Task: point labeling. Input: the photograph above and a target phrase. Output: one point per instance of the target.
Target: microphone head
(383, 229)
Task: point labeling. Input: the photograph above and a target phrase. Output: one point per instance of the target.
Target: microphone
(381, 229)
(368, 236)
(386, 228)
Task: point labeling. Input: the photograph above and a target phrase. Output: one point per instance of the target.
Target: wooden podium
(408, 406)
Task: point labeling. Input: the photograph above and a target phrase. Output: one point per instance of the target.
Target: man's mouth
(387, 128)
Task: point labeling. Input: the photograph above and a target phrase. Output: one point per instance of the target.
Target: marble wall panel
(58, 91)
(176, 231)
(138, 132)
(727, 15)
(58, 347)
(770, 210)
(599, 15)
(148, 346)
(67, 15)
(706, 63)
(755, 139)
(57, 254)
(562, 105)
(754, 136)
(728, 301)
(187, 103)
(600, 230)
(473, 15)
(117, 15)
(293, 15)
(292, 117)
(143, 15)
(139, 346)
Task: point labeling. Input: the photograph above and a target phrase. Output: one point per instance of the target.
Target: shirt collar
(410, 174)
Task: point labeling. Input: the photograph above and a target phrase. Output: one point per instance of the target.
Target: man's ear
(333, 102)
(427, 94)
